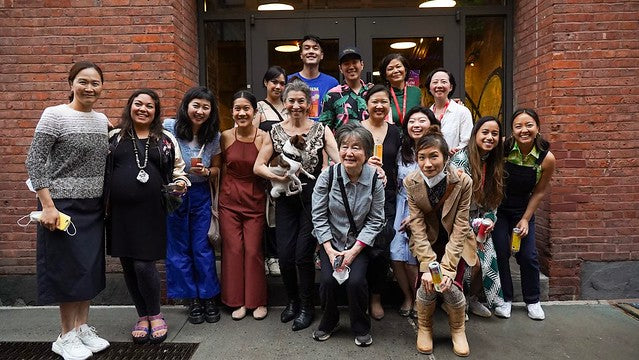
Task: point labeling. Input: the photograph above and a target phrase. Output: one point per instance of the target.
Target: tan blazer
(424, 225)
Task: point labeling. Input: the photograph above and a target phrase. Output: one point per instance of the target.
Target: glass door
(268, 35)
(428, 42)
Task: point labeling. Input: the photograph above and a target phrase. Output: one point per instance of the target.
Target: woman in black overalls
(528, 170)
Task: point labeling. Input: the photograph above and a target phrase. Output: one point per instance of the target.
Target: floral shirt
(341, 105)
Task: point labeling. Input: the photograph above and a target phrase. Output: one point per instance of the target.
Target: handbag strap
(340, 181)
(215, 192)
(274, 110)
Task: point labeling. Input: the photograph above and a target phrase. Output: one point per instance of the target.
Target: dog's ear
(296, 140)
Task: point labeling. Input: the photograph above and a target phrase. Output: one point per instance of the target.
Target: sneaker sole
(363, 344)
(196, 320)
(96, 349)
(328, 335)
(212, 319)
(58, 350)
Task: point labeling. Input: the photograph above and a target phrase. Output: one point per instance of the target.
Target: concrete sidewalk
(573, 330)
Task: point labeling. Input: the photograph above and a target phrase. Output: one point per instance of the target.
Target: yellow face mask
(64, 221)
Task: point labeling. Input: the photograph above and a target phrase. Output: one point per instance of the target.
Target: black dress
(137, 222)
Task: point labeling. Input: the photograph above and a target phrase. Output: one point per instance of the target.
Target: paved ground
(583, 330)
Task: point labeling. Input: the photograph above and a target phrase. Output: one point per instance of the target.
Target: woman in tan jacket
(439, 201)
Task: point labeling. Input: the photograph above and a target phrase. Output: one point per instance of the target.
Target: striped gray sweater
(68, 153)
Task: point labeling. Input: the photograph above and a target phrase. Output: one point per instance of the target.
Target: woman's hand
(278, 178)
(180, 187)
(454, 150)
(50, 217)
(523, 227)
(404, 224)
(445, 284)
(199, 170)
(375, 161)
(349, 256)
(490, 227)
(332, 253)
(427, 282)
(381, 174)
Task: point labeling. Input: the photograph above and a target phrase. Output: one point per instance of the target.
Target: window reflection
(225, 63)
(484, 66)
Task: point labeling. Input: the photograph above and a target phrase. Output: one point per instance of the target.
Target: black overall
(519, 183)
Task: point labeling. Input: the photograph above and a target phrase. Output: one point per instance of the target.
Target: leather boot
(291, 311)
(211, 311)
(304, 319)
(457, 322)
(425, 326)
(196, 312)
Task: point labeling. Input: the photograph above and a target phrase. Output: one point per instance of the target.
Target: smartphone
(338, 261)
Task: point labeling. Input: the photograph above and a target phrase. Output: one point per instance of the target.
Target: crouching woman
(439, 201)
(348, 212)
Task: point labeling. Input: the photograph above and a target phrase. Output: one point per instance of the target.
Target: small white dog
(289, 163)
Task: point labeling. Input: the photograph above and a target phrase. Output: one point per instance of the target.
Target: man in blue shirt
(311, 54)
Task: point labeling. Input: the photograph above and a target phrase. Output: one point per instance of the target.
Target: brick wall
(138, 43)
(577, 63)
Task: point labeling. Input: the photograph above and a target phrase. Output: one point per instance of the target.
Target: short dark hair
(79, 66)
(313, 38)
(451, 78)
(387, 59)
(433, 137)
(408, 144)
(358, 132)
(126, 123)
(210, 127)
(375, 89)
(274, 72)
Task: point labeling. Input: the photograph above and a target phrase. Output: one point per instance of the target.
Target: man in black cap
(345, 103)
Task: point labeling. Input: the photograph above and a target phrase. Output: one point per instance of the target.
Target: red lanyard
(401, 113)
(445, 107)
(483, 176)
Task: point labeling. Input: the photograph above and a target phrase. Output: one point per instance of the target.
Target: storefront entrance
(236, 52)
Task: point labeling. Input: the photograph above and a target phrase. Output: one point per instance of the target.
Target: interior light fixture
(402, 45)
(274, 6)
(437, 4)
(376, 73)
(287, 48)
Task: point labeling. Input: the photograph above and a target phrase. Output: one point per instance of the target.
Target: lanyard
(444, 112)
(483, 176)
(401, 113)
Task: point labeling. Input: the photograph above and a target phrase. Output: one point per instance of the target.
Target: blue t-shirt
(319, 87)
(210, 149)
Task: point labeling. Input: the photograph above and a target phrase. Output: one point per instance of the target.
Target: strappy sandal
(138, 327)
(154, 329)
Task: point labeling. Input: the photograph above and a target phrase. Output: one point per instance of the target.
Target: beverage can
(436, 274)
(379, 150)
(515, 243)
(481, 233)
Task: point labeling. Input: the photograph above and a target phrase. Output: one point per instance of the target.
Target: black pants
(296, 247)
(143, 281)
(356, 290)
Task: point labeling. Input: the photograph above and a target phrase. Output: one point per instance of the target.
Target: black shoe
(211, 311)
(290, 311)
(304, 319)
(196, 312)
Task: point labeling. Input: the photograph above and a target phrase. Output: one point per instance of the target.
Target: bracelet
(209, 172)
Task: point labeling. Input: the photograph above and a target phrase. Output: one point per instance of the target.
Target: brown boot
(425, 326)
(457, 322)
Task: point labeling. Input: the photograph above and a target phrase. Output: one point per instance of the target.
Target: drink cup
(195, 161)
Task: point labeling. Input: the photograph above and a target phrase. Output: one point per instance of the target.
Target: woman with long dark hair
(528, 169)
(483, 160)
(404, 263)
(144, 170)
(66, 163)
(190, 259)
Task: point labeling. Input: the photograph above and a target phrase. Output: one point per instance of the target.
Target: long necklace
(143, 176)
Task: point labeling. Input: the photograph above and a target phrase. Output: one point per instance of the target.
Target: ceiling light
(287, 48)
(274, 6)
(403, 45)
(437, 4)
(376, 73)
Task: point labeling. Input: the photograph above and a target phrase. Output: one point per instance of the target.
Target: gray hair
(296, 84)
(359, 134)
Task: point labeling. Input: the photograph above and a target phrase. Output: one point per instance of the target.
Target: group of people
(389, 183)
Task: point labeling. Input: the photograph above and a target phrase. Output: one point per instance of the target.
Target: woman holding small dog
(241, 205)
(295, 244)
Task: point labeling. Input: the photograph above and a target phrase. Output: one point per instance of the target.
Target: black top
(392, 143)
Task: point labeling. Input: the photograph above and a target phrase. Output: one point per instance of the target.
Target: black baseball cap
(349, 52)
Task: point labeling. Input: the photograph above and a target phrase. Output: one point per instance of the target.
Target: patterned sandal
(138, 327)
(158, 339)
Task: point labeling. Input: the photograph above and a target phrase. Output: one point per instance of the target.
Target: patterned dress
(487, 256)
(399, 246)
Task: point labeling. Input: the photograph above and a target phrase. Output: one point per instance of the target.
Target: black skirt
(72, 268)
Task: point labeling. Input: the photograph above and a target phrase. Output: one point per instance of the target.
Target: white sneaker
(478, 308)
(91, 340)
(503, 310)
(70, 347)
(274, 266)
(535, 311)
